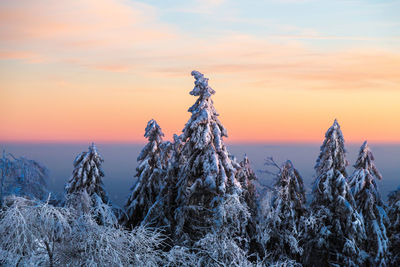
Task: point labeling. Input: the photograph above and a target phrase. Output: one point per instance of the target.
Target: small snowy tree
(283, 223)
(370, 206)
(85, 188)
(150, 175)
(206, 172)
(340, 230)
(23, 177)
(394, 227)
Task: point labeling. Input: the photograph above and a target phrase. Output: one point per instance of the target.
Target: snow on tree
(38, 234)
(206, 172)
(22, 177)
(281, 227)
(150, 175)
(161, 213)
(370, 206)
(223, 244)
(246, 176)
(85, 188)
(394, 226)
(30, 231)
(340, 229)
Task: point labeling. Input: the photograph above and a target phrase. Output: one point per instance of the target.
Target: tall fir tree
(206, 172)
(394, 227)
(150, 175)
(370, 206)
(284, 221)
(339, 231)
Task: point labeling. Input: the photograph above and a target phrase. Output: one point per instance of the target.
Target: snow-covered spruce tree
(206, 173)
(161, 213)
(339, 231)
(281, 228)
(85, 189)
(370, 206)
(246, 176)
(394, 227)
(150, 174)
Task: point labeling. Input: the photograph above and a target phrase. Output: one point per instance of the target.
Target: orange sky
(99, 70)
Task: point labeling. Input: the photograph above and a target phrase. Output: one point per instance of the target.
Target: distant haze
(120, 162)
(282, 69)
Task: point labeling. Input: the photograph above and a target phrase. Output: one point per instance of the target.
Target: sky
(283, 70)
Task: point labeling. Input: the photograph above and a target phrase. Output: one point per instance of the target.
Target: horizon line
(227, 142)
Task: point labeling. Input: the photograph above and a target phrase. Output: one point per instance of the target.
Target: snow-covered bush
(38, 234)
(31, 232)
(370, 206)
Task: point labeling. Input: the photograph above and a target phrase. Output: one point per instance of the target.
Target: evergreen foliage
(85, 189)
(282, 222)
(370, 206)
(150, 175)
(394, 228)
(246, 176)
(194, 204)
(206, 172)
(339, 234)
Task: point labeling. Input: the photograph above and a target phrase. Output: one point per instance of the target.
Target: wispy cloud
(126, 36)
(83, 24)
(30, 57)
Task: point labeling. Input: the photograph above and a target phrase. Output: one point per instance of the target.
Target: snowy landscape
(192, 202)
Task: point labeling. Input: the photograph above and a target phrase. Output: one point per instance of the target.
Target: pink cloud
(21, 55)
(83, 23)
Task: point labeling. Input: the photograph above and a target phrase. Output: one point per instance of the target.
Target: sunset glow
(98, 70)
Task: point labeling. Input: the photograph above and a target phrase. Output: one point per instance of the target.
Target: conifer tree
(394, 227)
(161, 213)
(284, 221)
(370, 206)
(150, 174)
(246, 176)
(206, 172)
(339, 230)
(85, 189)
